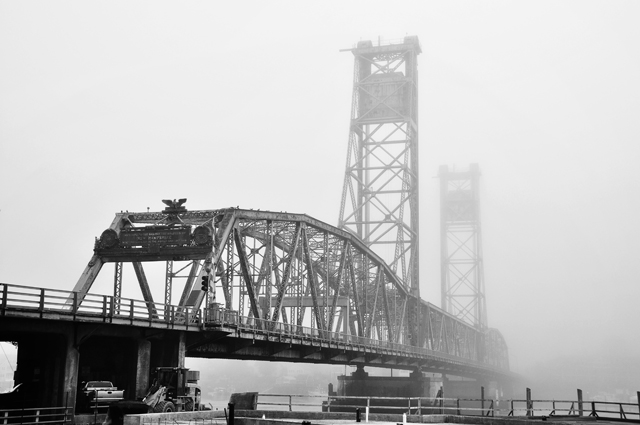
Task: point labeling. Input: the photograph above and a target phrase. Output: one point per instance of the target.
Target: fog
(110, 106)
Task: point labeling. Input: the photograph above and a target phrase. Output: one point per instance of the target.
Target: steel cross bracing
(380, 193)
(462, 273)
(286, 271)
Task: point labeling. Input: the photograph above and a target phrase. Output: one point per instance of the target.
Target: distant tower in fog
(462, 277)
(380, 193)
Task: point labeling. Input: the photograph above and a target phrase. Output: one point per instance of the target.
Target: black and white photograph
(319, 211)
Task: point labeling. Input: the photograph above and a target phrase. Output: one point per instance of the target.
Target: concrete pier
(359, 383)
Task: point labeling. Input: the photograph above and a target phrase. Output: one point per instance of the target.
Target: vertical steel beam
(402, 330)
(385, 306)
(339, 279)
(168, 283)
(267, 269)
(355, 299)
(325, 266)
(287, 272)
(372, 314)
(246, 274)
(230, 272)
(117, 286)
(312, 282)
(221, 241)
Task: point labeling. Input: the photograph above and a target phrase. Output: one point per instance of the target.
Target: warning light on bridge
(205, 283)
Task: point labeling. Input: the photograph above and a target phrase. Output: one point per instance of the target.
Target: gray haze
(109, 106)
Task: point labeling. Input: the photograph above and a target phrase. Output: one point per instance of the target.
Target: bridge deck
(266, 339)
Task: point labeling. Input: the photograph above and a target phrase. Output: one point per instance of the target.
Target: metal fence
(452, 406)
(596, 409)
(399, 405)
(42, 302)
(42, 415)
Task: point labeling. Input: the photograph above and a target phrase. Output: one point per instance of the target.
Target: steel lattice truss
(380, 194)
(461, 250)
(289, 270)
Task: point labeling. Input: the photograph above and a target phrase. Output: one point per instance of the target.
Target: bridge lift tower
(380, 194)
(462, 278)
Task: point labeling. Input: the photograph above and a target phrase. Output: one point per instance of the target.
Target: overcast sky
(109, 106)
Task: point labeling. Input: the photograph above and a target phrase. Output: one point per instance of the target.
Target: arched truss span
(290, 271)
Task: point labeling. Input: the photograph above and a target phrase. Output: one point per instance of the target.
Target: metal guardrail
(610, 409)
(41, 415)
(407, 405)
(456, 406)
(43, 301)
(594, 408)
(291, 402)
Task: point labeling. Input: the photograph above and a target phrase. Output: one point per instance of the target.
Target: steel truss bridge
(278, 286)
(291, 287)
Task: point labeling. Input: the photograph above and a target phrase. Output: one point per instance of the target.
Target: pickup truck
(101, 393)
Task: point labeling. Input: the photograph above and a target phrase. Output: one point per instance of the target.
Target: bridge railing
(373, 404)
(44, 300)
(452, 406)
(594, 408)
(37, 415)
(226, 317)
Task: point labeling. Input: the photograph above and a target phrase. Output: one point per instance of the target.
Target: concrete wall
(170, 417)
(286, 418)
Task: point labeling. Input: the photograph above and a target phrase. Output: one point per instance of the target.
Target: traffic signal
(205, 283)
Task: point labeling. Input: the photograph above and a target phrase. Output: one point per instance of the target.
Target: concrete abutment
(53, 362)
(359, 383)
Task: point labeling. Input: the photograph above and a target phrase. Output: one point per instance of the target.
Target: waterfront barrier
(40, 415)
(453, 406)
(275, 405)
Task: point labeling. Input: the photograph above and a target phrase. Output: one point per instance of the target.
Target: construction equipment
(174, 389)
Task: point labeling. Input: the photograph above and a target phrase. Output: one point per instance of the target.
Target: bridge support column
(182, 348)
(169, 351)
(421, 384)
(143, 366)
(48, 367)
(71, 366)
(456, 387)
(361, 384)
(505, 389)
